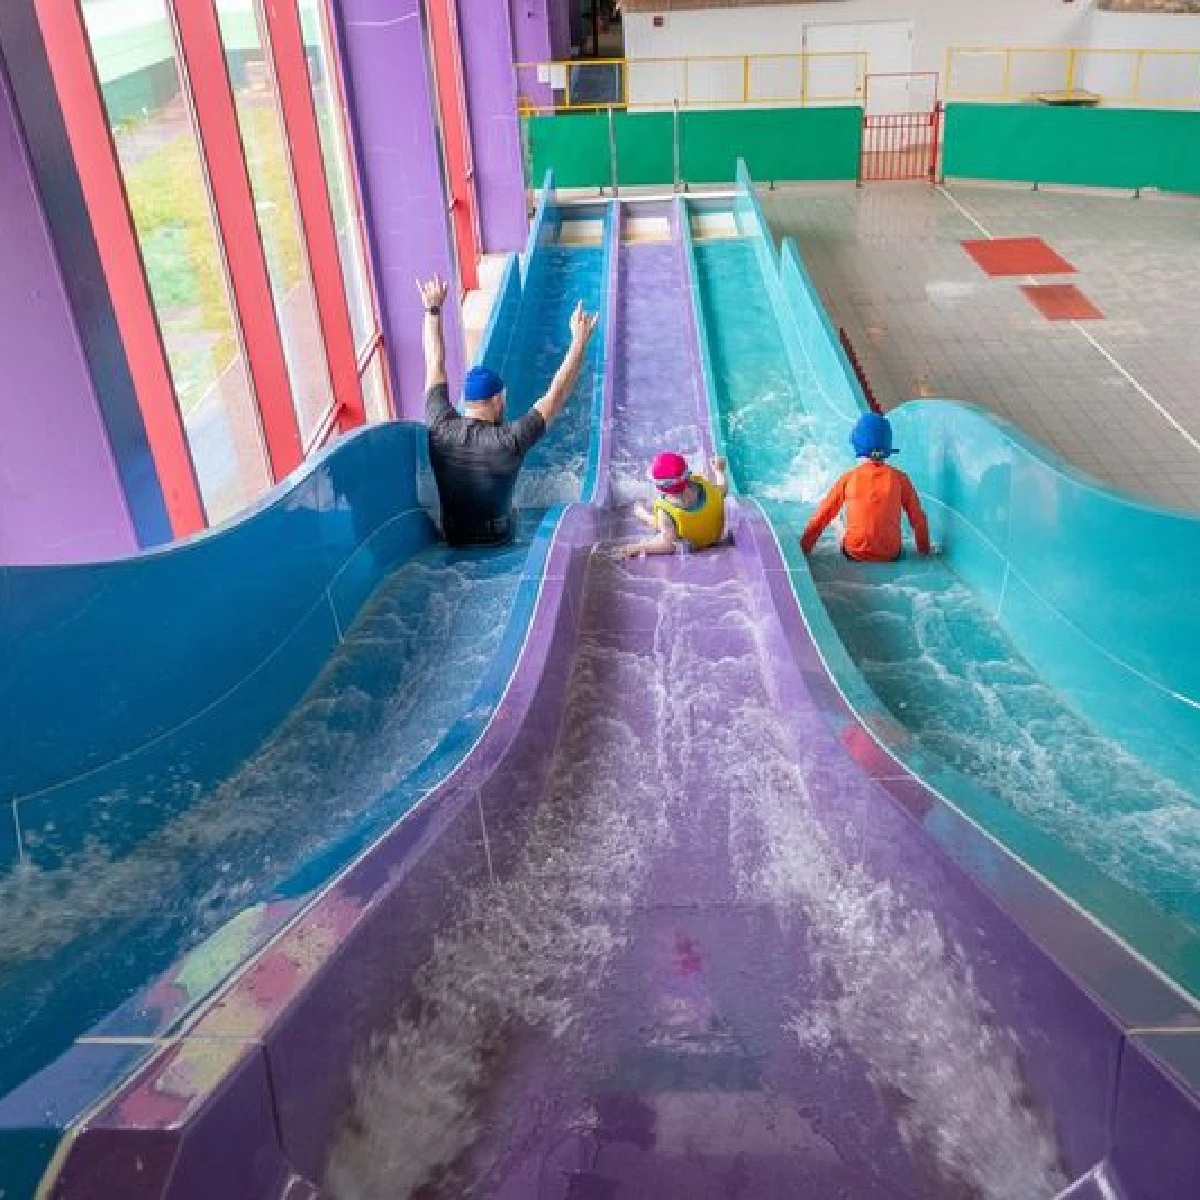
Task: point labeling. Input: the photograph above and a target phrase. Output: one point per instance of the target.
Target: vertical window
(227, 214)
(375, 390)
(160, 161)
(337, 159)
(335, 154)
(269, 165)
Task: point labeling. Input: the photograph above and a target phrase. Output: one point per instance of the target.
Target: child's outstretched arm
(717, 466)
(916, 515)
(663, 543)
(826, 511)
(645, 515)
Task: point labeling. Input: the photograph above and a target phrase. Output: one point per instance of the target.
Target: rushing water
(940, 663)
(943, 667)
(656, 401)
(680, 911)
(561, 277)
(77, 939)
(675, 790)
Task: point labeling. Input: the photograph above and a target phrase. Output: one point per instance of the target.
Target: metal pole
(675, 159)
(612, 153)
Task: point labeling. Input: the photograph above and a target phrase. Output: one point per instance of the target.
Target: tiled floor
(1118, 397)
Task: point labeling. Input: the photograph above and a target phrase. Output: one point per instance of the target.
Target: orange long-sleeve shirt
(873, 495)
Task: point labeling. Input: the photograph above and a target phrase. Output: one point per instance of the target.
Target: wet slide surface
(84, 951)
(693, 982)
(937, 659)
(78, 935)
(558, 279)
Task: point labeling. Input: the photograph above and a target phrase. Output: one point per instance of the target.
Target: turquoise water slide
(1041, 671)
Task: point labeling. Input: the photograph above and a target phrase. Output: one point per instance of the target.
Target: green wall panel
(575, 145)
(1097, 147)
(644, 150)
(777, 144)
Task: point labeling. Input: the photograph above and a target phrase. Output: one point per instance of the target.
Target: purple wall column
(490, 82)
(393, 104)
(61, 497)
(531, 44)
(531, 30)
(559, 16)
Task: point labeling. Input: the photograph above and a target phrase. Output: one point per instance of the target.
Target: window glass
(270, 168)
(134, 51)
(335, 152)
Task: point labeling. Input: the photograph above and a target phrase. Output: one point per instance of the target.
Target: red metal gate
(901, 145)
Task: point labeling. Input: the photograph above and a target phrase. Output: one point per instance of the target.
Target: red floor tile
(1017, 256)
(1061, 302)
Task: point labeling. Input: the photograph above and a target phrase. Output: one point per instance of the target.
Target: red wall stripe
(233, 201)
(316, 213)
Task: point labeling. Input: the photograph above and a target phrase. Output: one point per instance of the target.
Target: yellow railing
(1154, 78)
(713, 81)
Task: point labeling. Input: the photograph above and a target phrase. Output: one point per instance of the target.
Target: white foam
(520, 953)
(333, 757)
(895, 994)
(945, 668)
(533, 951)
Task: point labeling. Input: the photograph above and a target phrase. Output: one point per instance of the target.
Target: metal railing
(713, 81)
(1151, 78)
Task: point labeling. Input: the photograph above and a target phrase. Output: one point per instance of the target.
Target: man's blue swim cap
(871, 436)
(481, 383)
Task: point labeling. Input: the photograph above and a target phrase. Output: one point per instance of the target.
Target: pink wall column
(393, 104)
(61, 498)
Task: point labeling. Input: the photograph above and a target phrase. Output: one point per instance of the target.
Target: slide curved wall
(1089, 588)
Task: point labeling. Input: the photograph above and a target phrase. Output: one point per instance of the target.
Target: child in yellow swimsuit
(688, 508)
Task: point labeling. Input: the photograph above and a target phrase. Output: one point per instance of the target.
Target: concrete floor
(1118, 398)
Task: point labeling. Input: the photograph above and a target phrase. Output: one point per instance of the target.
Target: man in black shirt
(477, 457)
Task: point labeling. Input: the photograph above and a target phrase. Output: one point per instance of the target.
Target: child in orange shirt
(873, 495)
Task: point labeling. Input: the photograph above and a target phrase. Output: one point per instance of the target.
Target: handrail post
(1071, 70)
(745, 79)
(676, 170)
(612, 154)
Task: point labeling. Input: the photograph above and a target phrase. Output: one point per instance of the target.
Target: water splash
(531, 953)
(397, 683)
(899, 996)
(944, 669)
(521, 953)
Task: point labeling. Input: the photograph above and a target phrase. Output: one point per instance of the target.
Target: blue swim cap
(872, 436)
(481, 383)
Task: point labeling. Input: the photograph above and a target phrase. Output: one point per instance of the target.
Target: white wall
(779, 29)
(1162, 79)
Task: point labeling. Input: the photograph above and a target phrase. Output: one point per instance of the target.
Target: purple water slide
(723, 960)
(677, 928)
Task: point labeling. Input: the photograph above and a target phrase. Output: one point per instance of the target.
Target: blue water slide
(200, 739)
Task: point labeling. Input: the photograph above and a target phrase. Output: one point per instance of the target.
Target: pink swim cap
(669, 472)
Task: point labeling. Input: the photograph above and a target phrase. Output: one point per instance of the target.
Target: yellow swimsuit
(700, 527)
